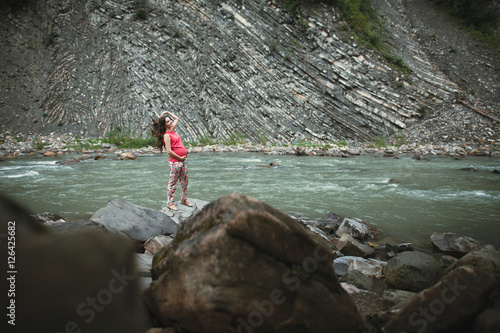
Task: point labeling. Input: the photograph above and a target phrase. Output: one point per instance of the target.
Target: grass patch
(363, 21)
(234, 139)
(206, 141)
(377, 142)
(477, 15)
(400, 140)
(140, 10)
(125, 138)
(38, 144)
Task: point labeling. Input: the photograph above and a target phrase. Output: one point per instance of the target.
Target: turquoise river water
(405, 198)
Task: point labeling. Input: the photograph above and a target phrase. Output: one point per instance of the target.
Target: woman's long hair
(158, 129)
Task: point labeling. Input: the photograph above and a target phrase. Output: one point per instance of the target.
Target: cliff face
(234, 67)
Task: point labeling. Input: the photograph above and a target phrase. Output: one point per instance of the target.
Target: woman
(163, 130)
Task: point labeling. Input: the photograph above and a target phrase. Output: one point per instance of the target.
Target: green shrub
(396, 62)
(363, 20)
(140, 8)
(377, 142)
(206, 141)
(128, 139)
(235, 138)
(475, 13)
(273, 47)
(291, 6)
(38, 144)
(342, 143)
(262, 137)
(48, 39)
(422, 110)
(400, 140)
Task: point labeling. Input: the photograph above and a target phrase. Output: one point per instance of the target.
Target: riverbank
(12, 146)
(382, 279)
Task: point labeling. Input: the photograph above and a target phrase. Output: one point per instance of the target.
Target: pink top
(176, 145)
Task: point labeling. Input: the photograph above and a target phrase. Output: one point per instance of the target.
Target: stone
(49, 154)
(161, 330)
(397, 298)
(100, 157)
(452, 243)
(75, 226)
(333, 218)
(318, 232)
(358, 279)
(184, 211)
(370, 267)
(47, 217)
(357, 228)
(446, 261)
(241, 265)
(65, 283)
(488, 321)
(412, 271)
(127, 156)
(84, 157)
(452, 302)
(143, 262)
(350, 288)
(485, 258)
(398, 248)
(351, 247)
(133, 221)
(155, 243)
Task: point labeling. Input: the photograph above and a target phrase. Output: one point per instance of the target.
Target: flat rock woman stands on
(163, 130)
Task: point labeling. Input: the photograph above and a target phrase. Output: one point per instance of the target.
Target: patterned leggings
(178, 171)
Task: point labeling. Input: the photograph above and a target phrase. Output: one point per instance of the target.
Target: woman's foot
(172, 207)
(187, 203)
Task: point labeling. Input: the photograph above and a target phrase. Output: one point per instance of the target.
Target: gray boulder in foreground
(136, 222)
(184, 212)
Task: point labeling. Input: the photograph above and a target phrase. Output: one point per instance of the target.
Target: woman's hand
(183, 158)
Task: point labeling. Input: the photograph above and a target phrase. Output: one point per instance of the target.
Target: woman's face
(168, 122)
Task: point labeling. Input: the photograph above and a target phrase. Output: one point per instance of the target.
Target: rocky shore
(239, 265)
(12, 146)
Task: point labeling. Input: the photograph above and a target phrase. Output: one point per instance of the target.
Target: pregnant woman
(163, 129)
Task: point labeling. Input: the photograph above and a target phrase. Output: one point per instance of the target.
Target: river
(405, 198)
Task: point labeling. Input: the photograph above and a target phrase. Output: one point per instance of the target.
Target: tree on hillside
(476, 13)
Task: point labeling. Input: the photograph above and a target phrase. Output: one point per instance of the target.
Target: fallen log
(478, 111)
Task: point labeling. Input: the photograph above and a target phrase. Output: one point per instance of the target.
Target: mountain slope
(241, 67)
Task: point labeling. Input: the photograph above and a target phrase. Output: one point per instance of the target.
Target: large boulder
(133, 221)
(79, 281)
(485, 258)
(413, 271)
(452, 243)
(451, 303)
(243, 266)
